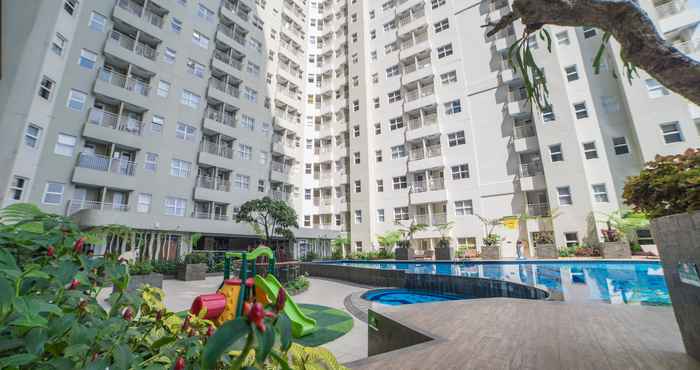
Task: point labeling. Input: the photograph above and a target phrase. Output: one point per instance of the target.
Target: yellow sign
(510, 223)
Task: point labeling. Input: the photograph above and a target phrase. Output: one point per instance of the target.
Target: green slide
(301, 324)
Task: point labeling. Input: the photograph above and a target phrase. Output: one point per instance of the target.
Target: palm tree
(444, 230)
(340, 242)
(389, 239)
(409, 231)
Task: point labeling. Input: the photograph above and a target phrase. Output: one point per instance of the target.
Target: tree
(641, 45)
(389, 239)
(339, 244)
(269, 218)
(409, 231)
(490, 225)
(444, 230)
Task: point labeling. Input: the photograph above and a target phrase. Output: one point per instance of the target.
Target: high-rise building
(366, 116)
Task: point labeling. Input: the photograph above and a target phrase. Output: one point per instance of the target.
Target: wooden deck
(501, 333)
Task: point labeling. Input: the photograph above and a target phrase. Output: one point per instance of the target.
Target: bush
(141, 268)
(165, 267)
(337, 253)
(309, 256)
(298, 285)
(667, 185)
(587, 252)
(196, 257)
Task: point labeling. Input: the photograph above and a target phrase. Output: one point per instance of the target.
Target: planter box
(619, 249)
(491, 253)
(444, 253)
(546, 251)
(136, 281)
(193, 271)
(404, 254)
(678, 240)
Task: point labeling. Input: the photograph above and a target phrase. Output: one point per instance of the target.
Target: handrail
(107, 119)
(123, 81)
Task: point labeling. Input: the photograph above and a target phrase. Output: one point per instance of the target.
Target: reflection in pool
(635, 282)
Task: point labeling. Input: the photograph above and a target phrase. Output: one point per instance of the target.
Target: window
(571, 73)
(185, 132)
(358, 186)
(98, 22)
(562, 38)
(65, 145)
(253, 69)
(190, 99)
(444, 51)
(394, 96)
(263, 157)
(371, 14)
(358, 219)
(449, 77)
(589, 150)
(400, 182)
(437, 3)
(143, 203)
(58, 43)
(17, 187)
(460, 172)
(308, 169)
(53, 193)
(375, 78)
(380, 186)
(157, 123)
(205, 13)
(373, 55)
(564, 195)
(247, 122)
(600, 193)
(396, 123)
(180, 168)
(400, 214)
(377, 128)
(580, 110)
(245, 152)
(195, 68)
(307, 194)
(655, 89)
(378, 155)
(372, 36)
(548, 114)
(442, 25)
(261, 186)
(571, 239)
(456, 138)
(200, 40)
(250, 94)
(398, 151)
(69, 6)
(46, 88)
(610, 104)
(644, 237)
(76, 100)
(355, 105)
(175, 206)
(671, 132)
(87, 59)
(169, 56)
(307, 221)
(163, 89)
(589, 32)
(453, 107)
(32, 135)
(464, 207)
(555, 153)
(175, 25)
(620, 145)
(380, 215)
(356, 157)
(150, 163)
(242, 182)
(393, 71)
(356, 131)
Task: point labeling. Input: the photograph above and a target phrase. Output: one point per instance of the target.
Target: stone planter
(549, 251)
(678, 240)
(492, 252)
(155, 280)
(619, 249)
(191, 271)
(404, 254)
(444, 253)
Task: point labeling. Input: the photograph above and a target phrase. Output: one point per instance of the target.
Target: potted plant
(443, 250)
(491, 248)
(544, 245)
(142, 273)
(622, 225)
(614, 243)
(193, 267)
(403, 247)
(668, 191)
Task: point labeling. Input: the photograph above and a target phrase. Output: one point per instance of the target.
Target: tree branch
(502, 23)
(640, 42)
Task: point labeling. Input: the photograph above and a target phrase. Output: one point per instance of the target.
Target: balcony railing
(129, 43)
(517, 95)
(422, 186)
(225, 118)
(236, 9)
(76, 205)
(434, 150)
(137, 10)
(113, 121)
(418, 39)
(439, 219)
(208, 215)
(670, 8)
(281, 195)
(223, 57)
(538, 209)
(420, 93)
(411, 17)
(224, 87)
(125, 82)
(217, 149)
(103, 163)
(530, 169)
(213, 183)
(523, 131)
(416, 123)
(281, 168)
(236, 36)
(422, 219)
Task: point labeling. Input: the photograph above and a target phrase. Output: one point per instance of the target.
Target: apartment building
(366, 116)
(162, 115)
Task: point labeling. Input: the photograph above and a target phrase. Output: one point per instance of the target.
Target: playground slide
(301, 324)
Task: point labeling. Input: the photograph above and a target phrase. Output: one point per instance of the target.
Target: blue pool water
(395, 297)
(634, 282)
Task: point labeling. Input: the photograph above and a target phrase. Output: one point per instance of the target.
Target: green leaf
(19, 212)
(281, 361)
(163, 341)
(34, 341)
(122, 357)
(76, 350)
(17, 360)
(7, 261)
(100, 364)
(284, 326)
(224, 337)
(266, 340)
(37, 274)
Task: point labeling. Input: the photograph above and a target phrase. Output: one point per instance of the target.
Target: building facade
(366, 116)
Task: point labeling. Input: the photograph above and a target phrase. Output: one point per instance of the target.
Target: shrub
(165, 267)
(141, 268)
(587, 252)
(309, 256)
(298, 285)
(667, 185)
(195, 257)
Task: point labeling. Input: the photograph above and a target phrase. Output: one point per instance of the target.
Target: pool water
(632, 283)
(396, 297)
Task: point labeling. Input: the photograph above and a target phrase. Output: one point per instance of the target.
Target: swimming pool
(633, 282)
(396, 297)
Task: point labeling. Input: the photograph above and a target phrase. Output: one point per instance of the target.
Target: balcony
(430, 219)
(75, 206)
(531, 169)
(518, 103)
(412, 19)
(227, 63)
(217, 149)
(281, 168)
(230, 36)
(284, 146)
(419, 97)
(220, 117)
(134, 14)
(223, 91)
(125, 47)
(209, 215)
(212, 189)
(281, 195)
(422, 186)
(419, 122)
(430, 152)
(538, 209)
(235, 7)
(109, 127)
(122, 87)
(688, 47)
(676, 14)
(100, 170)
(415, 44)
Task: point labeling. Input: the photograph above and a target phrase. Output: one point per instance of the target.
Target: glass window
(151, 162)
(65, 145)
(358, 216)
(589, 150)
(380, 186)
(564, 195)
(396, 123)
(17, 187)
(548, 114)
(76, 100)
(580, 110)
(562, 38)
(261, 186)
(398, 151)
(98, 22)
(358, 186)
(200, 40)
(163, 88)
(620, 145)
(464, 207)
(442, 25)
(175, 206)
(449, 77)
(453, 107)
(460, 172)
(380, 215)
(571, 73)
(671, 132)
(58, 44)
(46, 88)
(143, 203)
(180, 168)
(157, 123)
(655, 89)
(190, 99)
(393, 71)
(196, 69)
(644, 237)
(32, 135)
(400, 214)
(69, 6)
(571, 239)
(242, 182)
(185, 132)
(378, 155)
(175, 25)
(205, 13)
(377, 128)
(245, 152)
(169, 56)
(399, 182)
(87, 59)
(600, 193)
(356, 157)
(53, 193)
(247, 122)
(589, 32)
(555, 153)
(444, 51)
(456, 138)
(394, 96)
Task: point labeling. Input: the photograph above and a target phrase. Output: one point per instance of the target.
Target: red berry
(186, 324)
(210, 331)
(78, 246)
(256, 315)
(281, 300)
(249, 282)
(246, 308)
(159, 315)
(74, 284)
(179, 363)
(128, 315)
(50, 251)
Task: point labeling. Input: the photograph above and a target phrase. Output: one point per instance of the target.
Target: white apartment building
(166, 115)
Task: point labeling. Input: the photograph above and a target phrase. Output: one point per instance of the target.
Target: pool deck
(503, 333)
